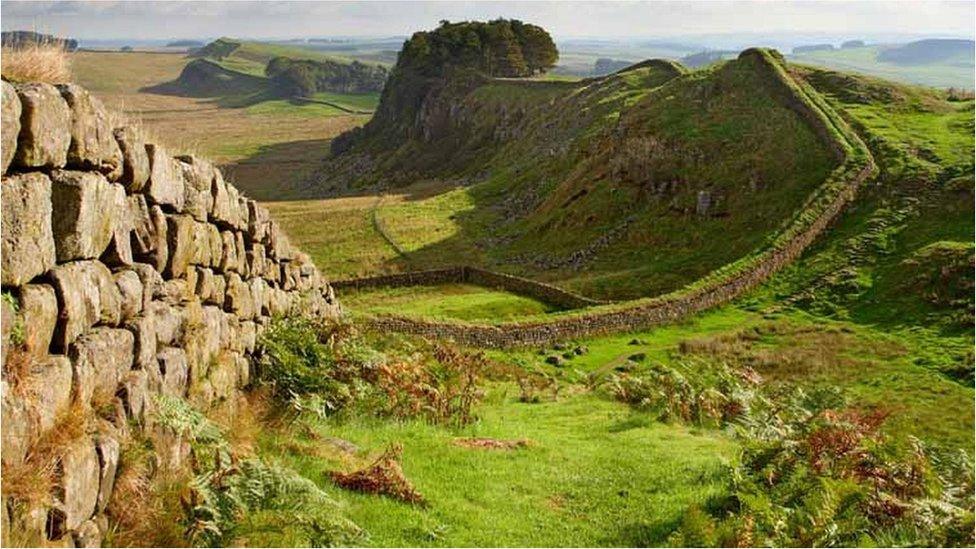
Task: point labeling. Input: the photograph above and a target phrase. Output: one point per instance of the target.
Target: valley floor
(597, 471)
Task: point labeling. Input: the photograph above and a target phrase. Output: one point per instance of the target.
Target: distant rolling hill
(938, 63)
(236, 72)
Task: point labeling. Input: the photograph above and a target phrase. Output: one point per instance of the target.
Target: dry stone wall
(127, 273)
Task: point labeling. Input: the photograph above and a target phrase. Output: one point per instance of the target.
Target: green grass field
(597, 472)
(457, 301)
(864, 61)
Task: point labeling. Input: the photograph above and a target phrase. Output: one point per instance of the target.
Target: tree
(538, 49)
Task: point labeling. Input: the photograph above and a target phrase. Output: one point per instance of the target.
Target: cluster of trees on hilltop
(304, 77)
(505, 48)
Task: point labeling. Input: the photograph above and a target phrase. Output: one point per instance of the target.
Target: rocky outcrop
(127, 273)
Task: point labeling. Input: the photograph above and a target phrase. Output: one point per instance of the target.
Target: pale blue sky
(200, 19)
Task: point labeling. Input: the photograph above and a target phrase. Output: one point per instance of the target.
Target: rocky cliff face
(127, 274)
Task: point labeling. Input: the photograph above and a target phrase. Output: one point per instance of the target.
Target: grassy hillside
(548, 170)
(957, 71)
(267, 146)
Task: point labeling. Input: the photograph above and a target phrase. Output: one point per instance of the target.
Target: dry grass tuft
(491, 443)
(32, 482)
(36, 62)
(17, 370)
(384, 477)
(145, 509)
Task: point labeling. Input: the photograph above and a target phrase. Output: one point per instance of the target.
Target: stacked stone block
(134, 273)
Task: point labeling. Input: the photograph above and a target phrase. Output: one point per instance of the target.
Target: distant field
(267, 148)
(864, 60)
(447, 301)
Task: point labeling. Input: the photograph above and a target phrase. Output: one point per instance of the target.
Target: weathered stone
(238, 297)
(174, 369)
(135, 394)
(165, 187)
(44, 127)
(201, 338)
(259, 296)
(87, 295)
(93, 147)
(226, 204)
(108, 461)
(216, 245)
(177, 290)
(133, 297)
(204, 287)
(168, 323)
(182, 243)
(172, 450)
(18, 429)
(230, 337)
(223, 377)
(87, 207)
(79, 481)
(229, 260)
(219, 290)
(241, 252)
(143, 330)
(143, 237)
(248, 335)
(243, 371)
(135, 170)
(119, 251)
(256, 260)
(101, 358)
(278, 246)
(6, 328)
(10, 118)
(159, 256)
(27, 239)
(257, 221)
(39, 313)
(198, 176)
(48, 383)
(150, 279)
(87, 535)
(202, 254)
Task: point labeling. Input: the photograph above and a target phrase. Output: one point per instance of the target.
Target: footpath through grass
(594, 473)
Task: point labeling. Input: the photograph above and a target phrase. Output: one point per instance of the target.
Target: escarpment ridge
(129, 276)
(855, 165)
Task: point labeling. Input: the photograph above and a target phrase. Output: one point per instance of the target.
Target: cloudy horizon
(156, 20)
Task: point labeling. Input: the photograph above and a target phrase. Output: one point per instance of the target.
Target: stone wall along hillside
(127, 273)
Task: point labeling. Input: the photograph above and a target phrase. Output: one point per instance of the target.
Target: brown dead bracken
(384, 476)
(491, 443)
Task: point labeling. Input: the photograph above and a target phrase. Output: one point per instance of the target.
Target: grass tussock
(384, 476)
(32, 483)
(36, 62)
(145, 506)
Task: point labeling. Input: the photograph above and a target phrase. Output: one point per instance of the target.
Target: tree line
(305, 77)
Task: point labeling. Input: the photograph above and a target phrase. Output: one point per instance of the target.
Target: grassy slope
(890, 261)
(597, 472)
(716, 130)
(952, 73)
